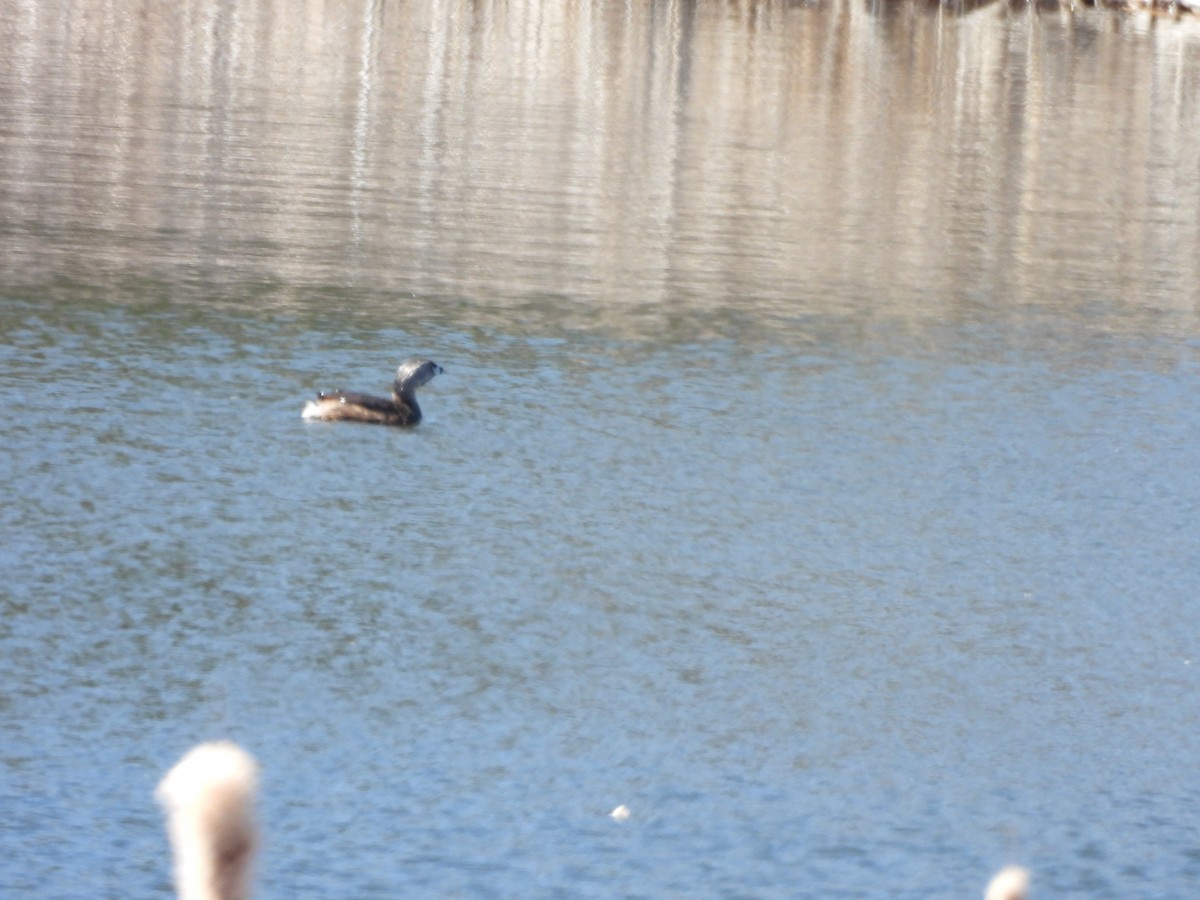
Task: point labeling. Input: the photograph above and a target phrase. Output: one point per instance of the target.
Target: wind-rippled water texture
(814, 468)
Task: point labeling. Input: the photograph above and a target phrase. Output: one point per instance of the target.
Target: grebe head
(415, 372)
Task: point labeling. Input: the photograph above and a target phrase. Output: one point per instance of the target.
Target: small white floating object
(620, 814)
(1010, 883)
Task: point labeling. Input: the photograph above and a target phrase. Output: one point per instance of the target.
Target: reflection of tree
(605, 165)
(966, 7)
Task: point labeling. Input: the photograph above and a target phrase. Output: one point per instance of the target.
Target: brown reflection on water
(595, 159)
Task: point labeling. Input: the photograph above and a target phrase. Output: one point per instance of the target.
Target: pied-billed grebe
(400, 409)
